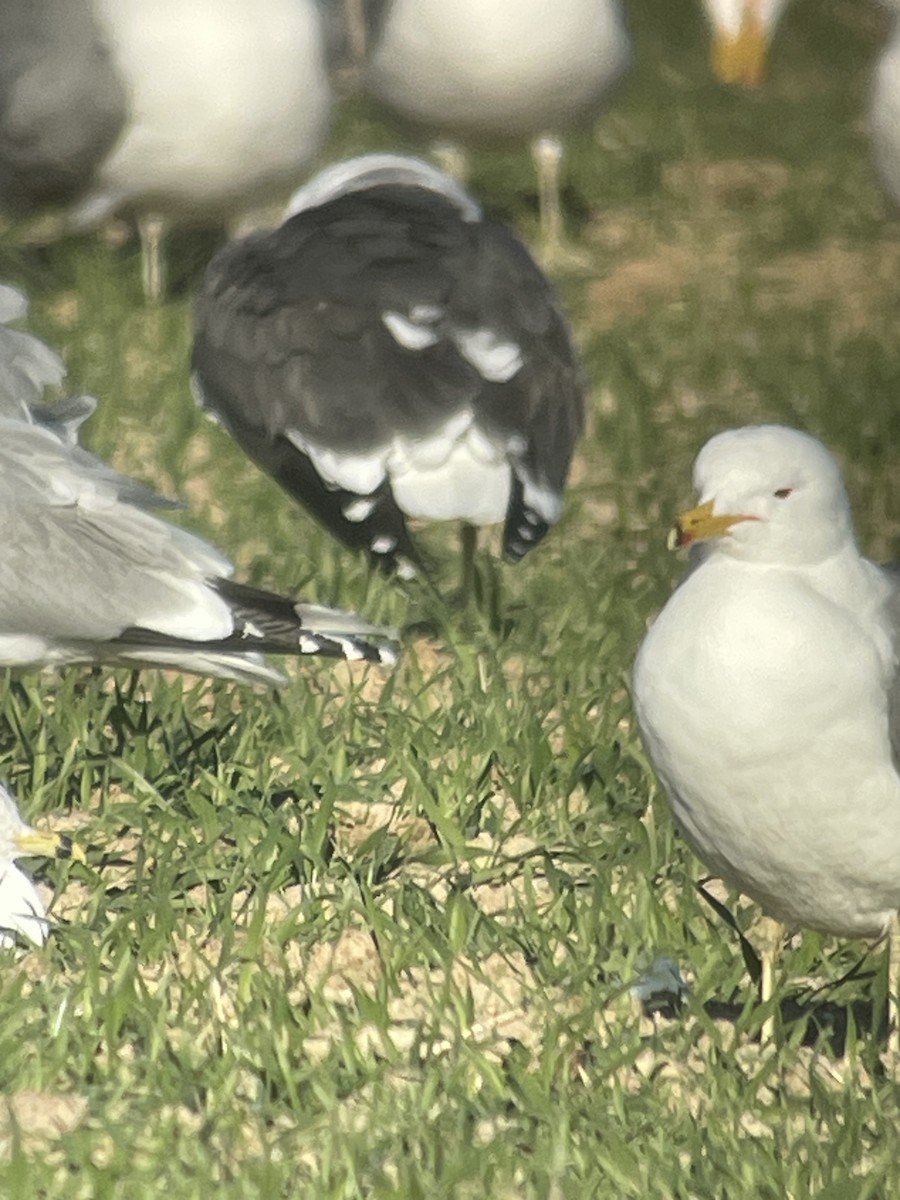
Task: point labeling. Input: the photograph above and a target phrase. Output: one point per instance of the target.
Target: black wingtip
(524, 527)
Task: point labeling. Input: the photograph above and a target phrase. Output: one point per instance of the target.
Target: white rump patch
(309, 645)
(458, 473)
(358, 510)
(407, 333)
(383, 545)
(494, 359)
(361, 473)
(431, 451)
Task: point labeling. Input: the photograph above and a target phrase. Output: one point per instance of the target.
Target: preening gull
(21, 907)
(389, 352)
(173, 109)
(499, 71)
(767, 692)
(88, 574)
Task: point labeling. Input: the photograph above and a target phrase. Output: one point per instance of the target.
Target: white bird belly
(508, 63)
(227, 98)
(768, 728)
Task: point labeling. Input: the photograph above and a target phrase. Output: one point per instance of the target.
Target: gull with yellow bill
(768, 695)
(22, 910)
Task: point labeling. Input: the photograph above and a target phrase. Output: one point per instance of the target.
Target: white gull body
(227, 100)
(497, 69)
(491, 72)
(764, 692)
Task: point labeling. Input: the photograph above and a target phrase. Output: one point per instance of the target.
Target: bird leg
(893, 1045)
(452, 160)
(151, 228)
(355, 25)
(468, 536)
(771, 935)
(547, 155)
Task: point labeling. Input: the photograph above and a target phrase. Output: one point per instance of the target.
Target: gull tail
(264, 623)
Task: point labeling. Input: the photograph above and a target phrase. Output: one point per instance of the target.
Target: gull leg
(547, 154)
(151, 228)
(468, 536)
(355, 24)
(893, 1044)
(452, 159)
(771, 934)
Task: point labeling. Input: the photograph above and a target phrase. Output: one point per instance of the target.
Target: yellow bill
(48, 845)
(740, 58)
(700, 523)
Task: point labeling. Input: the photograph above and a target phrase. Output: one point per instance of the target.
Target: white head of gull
(88, 574)
(766, 690)
(390, 353)
(22, 910)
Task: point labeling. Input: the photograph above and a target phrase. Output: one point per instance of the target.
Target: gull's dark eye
(782, 493)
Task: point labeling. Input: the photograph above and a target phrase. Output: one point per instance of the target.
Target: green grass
(372, 936)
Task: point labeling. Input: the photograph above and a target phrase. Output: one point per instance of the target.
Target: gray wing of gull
(87, 576)
(27, 367)
(81, 564)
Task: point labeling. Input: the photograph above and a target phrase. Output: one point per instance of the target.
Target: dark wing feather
(290, 336)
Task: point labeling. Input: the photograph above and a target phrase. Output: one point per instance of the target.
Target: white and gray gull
(176, 110)
(390, 353)
(88, 574)
(768, 692)
(489, 72)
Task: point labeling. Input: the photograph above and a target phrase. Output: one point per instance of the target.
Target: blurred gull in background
(175, 110)
(489, 72)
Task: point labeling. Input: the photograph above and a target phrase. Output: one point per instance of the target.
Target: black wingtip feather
(523, 528)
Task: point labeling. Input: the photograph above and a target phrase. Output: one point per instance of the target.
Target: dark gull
(176, 110)
(390, 353)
